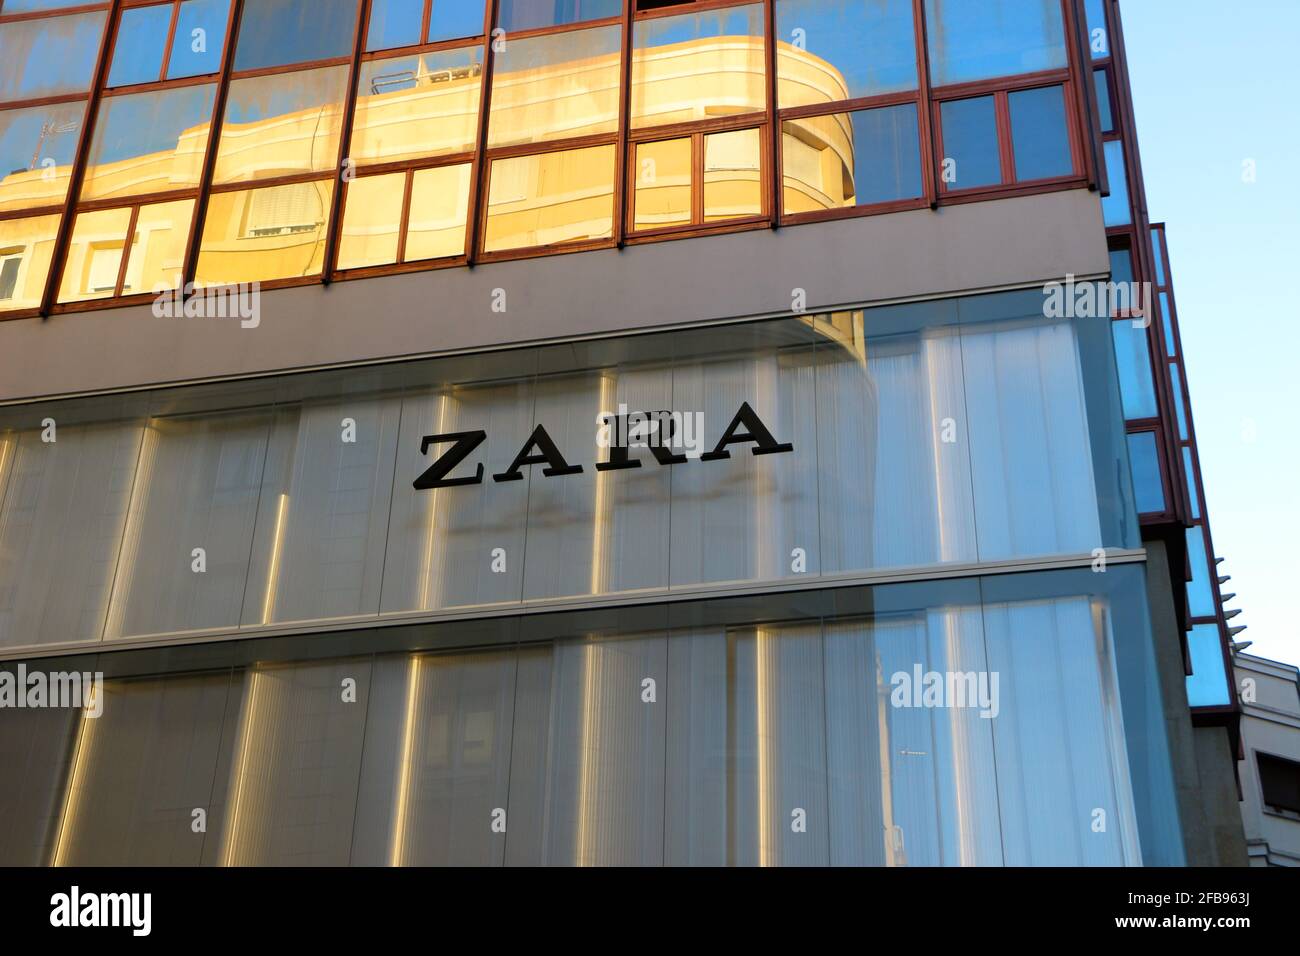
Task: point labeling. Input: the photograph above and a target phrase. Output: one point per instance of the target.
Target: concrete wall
(1270, 724)
(915, 254)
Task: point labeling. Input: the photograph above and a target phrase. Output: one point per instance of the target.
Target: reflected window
(550, 199)
(515, 15)
(281, 124)
(149, 142)
(195, 29)
(279, 32)
(698, 65)
(733, 175)
(140, 45)
(37, 148)
(410, 107)
(26, 247)
(844, 49)
(979, 41)
(664, 184)
(276, 232)
(439, 211)
(705, 178)
(556, 86)
(126, 251)
(95, 255)
(970, 143)
(1040, 139)
(200, 38)
(1144, 462)
(376, 208)
(49, 56)
(850, 159)
(1133, 360)
(399, 23)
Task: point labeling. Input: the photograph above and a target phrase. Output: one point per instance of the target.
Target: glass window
(277, 232)
(1171, 344)
(733, 175)
(200, 38)
(1190, 472)
(26, 246)
(1144, 461)
(394, 23)
(1176, 374)
(1200, 596)
(556, 86)
(1105, 116)
(439, 212)
(414, 106)
(851, 159)
(149, 142)
(1115, 207)
(551, 198)
(970, 143)
(453, 19)
(37, 148)
(1133, 359)
(31, 6)
(156, 257)
(843, 50)
(698, 65)
(50, 56)
(1039, 137)
(1207, 685)
(95, 255)
(979, 41)
(664, 174)
(140, 44)
(1098, 36)
(1121, 266)
(278, 32)
(1279, 782)
(1158, 248)
(372, 217)
(281, 124)
(530, 14)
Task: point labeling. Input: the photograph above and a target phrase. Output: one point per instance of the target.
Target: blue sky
(1216, 85)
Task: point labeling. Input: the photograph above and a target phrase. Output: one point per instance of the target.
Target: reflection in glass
(1115, 207)
(663, 183)
(1144, 460)
(551, 198)
(1193, 498)
(453, 19)
(1133, 359)
(209, 16)
(279, 32)
(978, 41)
(1039, 138)
(414, 106)
(1105, 117)
(156, 258)
(280, 124)
(733, 175)
(38, 145)
(844, 49)
(394, 23)
(50, 56)
(970, 143)
(1207, 685)
(26, 247)
(698, 65)
(1200, 596)
(439, 212)
(94, 255)
(140, 44)
(372, 217)
(149, 142)
(1180, 407)
(1098, 36)
(851, 159)
(556, 86)
(514, 15)
(277, 232)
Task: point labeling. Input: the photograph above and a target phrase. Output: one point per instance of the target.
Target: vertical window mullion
(171, 39)
(478, 197)
(1006, 148)
(624, 175)
(64, 235)
(925, 109)
(345, 142)
(771, 195)
(425, 21)
(126, 251)
(404, 223)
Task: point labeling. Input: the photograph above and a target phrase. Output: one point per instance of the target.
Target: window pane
(1115, 208)
(733, 175)
(1179, 407)
(1171, 344)
(977, 41)
(200, 38)
(663, 183)
(439, 213)
(527, 14)
(1144, 462)
(453, 19)
(843, 49)
(276, 32)
(551, 198)
(1191, 483)
(1039, 137)
(372, 218)
(1105, 117)
(970, 143)
(1160, 258)
(157, 256)
(1133, 360)
(1200, 597)
(394, 23)
(1207, 685)
(280, 124)
(37, 149)
(1121, 266)
(1098, 36)
(50, 56)
(31, 6)
(555, 87)
(26, 246)
(138, 49)
(261, 234)
(94, 255)
(698, 65)
(413, 106)
(149, 142)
